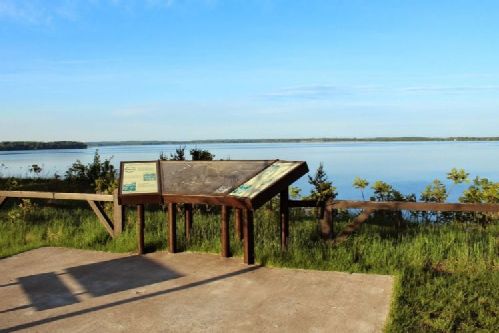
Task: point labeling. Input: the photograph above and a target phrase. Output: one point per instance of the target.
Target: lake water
(408, 166)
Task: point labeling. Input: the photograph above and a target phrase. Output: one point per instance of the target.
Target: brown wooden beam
(327, 230)
(172, 227)
(225, 236)
(416, 206)
(353, 226)
(118, 215)
(57, 196)
(239, 223)
(102, 217)
(249, 238)
(305, 203)
(188, 220)
(284, 214)
(2, 201)
(140, 229)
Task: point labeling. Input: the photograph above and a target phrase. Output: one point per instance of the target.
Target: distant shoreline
(291, 140)
(39, 145)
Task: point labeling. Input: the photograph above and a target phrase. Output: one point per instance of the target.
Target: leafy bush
(101, 175)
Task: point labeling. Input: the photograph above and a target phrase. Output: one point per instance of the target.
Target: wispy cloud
(327, 92)
(450, 89)
(310, 92)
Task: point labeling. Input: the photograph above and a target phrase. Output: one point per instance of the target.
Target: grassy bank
(447, 275)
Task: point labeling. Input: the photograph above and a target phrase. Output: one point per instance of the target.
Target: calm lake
(408, 166)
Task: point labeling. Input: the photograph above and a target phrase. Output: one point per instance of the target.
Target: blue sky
(194, 69)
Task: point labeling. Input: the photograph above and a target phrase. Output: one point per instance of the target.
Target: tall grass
(447, 274)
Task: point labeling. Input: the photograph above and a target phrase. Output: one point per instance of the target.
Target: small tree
(323, 189)
(179, 154)
(435, 192)
(201, 155)
(360, 184)
(35, 169)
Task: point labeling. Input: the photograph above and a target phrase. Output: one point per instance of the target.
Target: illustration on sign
(263, 180)
(140, 178)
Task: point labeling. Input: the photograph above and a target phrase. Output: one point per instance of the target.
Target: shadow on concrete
(48, 291)
(128, 300)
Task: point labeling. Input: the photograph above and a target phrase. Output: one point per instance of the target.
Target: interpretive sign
(240, 185)
(264, 179)
(207, 177)
(140, 180)
(235, 183)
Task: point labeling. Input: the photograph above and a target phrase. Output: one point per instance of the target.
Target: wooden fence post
(249, 238)
(140, 228)
(225, 236)
(284, 213)
(172, 227)
(188, 220)
(118, 215)
(239, 224)
(327, 223)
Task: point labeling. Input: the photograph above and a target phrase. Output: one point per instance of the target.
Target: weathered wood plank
(354, 225)
(102, 216)
(57, 195)
(416, 206)
(118, 215)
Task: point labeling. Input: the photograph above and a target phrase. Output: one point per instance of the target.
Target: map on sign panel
(264, 179)
(139, 178)
(207, 177)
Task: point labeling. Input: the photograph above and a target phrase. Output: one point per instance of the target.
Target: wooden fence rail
(370, 207)
(113, 226)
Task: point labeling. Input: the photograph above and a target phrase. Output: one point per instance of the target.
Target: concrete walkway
(67, 290)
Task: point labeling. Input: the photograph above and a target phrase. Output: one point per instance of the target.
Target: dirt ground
(68, 290)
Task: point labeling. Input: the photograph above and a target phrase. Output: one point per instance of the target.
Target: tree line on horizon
(38, 145)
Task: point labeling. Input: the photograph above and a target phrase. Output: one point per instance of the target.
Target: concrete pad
(68, 290)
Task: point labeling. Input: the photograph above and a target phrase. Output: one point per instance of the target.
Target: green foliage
(101, 175)
(481, 191)
(446, 276)
(360, 184)
(196, 155)
(458, 176)
(385, 192)
(294, 192)
(323, 189)
(179, 155)
(435, 192)
(201, 155)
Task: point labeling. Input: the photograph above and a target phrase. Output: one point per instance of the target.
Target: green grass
(447, 275)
